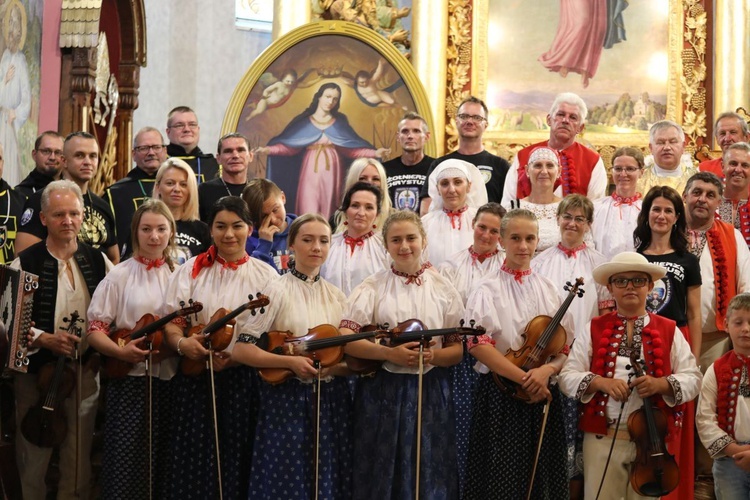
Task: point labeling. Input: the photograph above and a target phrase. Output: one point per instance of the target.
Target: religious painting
(20, 46)
(622, 58)
(318, 98)
(254, 15)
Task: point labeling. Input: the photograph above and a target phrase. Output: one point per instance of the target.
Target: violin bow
(316, 363)
(538, 448)
(419, 417)
(612, 445)
(149, 360)
(216, 421)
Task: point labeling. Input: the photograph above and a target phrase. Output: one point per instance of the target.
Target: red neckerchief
(517, 275)
(207, 259)
(455, 215)
(415, 278)
(480, 256)
(621, 200)
(571, 252)
(150, 263)
(355, 242)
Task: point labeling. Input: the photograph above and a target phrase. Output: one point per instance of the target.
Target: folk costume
(615, 219)
(283, 464)
(503, 428)
(581, 171)
(351, 260)
(449, 231)
(114, 306)
(464, 270)
(722, 418)
(385, 405)
(736, 213)
(216, 283)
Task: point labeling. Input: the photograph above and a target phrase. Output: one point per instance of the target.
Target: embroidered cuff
(453, 338)
(676, 389)
(715, 448)
(607, 304)
(585, 382)
(99, 326)
(481, 339)
(246, 338)
(565, 350)
(351, 325)
(180, 321)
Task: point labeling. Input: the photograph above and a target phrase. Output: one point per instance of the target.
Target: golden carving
(458, 53)
(693, 79)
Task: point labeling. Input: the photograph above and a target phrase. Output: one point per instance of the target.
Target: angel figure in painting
(277, 92)
(367, 87)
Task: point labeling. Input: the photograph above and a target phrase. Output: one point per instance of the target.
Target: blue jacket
(274, 253)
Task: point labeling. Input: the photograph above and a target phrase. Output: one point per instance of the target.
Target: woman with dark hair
(358, 251)
(317, 139)
(221, 277)
(615, 216)
(284, 456)
(661, 237)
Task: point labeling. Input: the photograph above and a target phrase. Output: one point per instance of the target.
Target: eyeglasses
(569, 218)
(623, 282)
(627, 170)
(475, 118)
(179, 126)
(156, 148)
(50, 152)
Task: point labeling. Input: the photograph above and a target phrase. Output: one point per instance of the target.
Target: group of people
(527, 257)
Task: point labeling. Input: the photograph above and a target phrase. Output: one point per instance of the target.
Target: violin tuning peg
(182, 303)
(461, 323)
(386, 326)
(262, 310)
(472, 323)
(252, 312)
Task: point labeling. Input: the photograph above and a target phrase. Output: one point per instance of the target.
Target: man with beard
(581, 169)
(471, 122)
(47, 155)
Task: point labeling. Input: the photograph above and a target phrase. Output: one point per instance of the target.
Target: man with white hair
(581, 169)
(729, 129)
(69, 272)
(666, 140)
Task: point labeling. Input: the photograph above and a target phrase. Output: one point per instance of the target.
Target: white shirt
(707, 420)
(464, 272)
(346, 268)
(613, 226)
(443, 240)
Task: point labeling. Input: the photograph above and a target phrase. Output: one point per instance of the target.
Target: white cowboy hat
(627, 262)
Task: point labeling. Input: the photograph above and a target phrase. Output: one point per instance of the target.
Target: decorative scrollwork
(693, 78)
(459, 55)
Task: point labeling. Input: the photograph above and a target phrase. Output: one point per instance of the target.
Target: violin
(410, 330)
(45, 423)
(324, 344)
(218, 334)
(654, 472)
(544, 338)
(149, 326)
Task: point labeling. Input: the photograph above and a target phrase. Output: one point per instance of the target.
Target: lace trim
(412, 278)
(479, 340)
(622, 200)
(352, 242)
(517, 275)
(99, 326)
(481, 257)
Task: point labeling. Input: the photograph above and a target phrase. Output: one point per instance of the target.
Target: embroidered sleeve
(351, 325)
(480, 340)
(180, 321)
(585, 382)
(676, 389)
(246, 338)
(565, 350)
(718, 445)
(99, 326)
(452, 339)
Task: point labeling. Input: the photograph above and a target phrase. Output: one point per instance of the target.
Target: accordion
(16, 302)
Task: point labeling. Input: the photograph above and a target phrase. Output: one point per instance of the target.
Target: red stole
(581, 161)
(657, 339)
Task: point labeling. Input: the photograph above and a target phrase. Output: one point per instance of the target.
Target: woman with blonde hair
(176, 186)
(371, 171)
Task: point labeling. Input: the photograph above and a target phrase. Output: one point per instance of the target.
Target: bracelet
(179, 351)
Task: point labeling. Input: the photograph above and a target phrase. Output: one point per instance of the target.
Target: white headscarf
(453, 167)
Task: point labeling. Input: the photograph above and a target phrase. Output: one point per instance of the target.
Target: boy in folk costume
(597, 369)
(723, 415)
